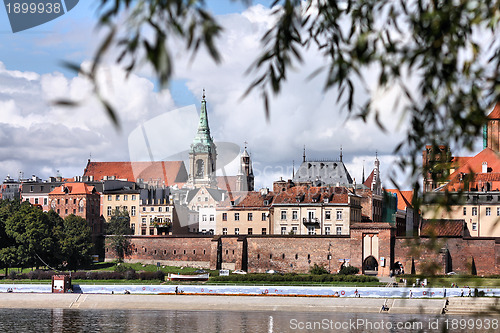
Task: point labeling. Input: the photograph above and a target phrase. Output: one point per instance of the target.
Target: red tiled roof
(163, 172)
(404, 198)
(442, 228)
(73, 188)
(474, 165)
(369, 180)
(255, 199)
(223, 182)
(495, 114)
(312, 195)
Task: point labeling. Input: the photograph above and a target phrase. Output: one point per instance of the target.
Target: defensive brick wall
(450, 254)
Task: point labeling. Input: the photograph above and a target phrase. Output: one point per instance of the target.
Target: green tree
(33, 233)
(117, 229)
(76, 242)
(8, 251)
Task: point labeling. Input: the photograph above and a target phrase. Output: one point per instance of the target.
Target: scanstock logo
(26, 14)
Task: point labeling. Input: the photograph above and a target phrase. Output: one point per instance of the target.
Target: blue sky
(39, 138)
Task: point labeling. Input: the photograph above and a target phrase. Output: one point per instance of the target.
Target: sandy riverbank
(226, 303)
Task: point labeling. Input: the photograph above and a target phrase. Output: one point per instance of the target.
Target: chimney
(485, 167)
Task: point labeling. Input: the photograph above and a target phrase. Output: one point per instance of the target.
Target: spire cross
(203, 93)
(246, 143)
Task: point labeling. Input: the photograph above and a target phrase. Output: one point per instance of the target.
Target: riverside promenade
(213, 303)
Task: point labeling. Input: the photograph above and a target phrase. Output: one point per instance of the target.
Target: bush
(318, 270)
(349, 270)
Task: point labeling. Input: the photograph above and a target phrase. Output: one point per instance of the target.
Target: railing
(313, 220)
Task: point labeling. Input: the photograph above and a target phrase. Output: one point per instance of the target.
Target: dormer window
(325, 200)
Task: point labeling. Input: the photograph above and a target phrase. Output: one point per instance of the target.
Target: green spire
(203, 137)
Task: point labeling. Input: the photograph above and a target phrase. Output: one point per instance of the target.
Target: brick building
(79, 199)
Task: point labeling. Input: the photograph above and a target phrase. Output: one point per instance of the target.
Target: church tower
(202, 154)
(245, 178)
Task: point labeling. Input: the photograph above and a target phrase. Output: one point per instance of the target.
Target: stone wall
(451, 254)
(294, 253)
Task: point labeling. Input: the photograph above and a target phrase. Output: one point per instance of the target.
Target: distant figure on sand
(336, 294)
(411, 294)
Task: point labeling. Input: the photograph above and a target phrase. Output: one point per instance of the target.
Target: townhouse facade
(304, 210)
(250, 216)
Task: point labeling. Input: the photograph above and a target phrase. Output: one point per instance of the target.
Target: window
(133, 197)
(263, 216)
(36, 201)
(109, 197)
(66, 201)
(328, 215)
(199, 198)
(31, 188)
(45, 201)
(294, 230)
(212, 217)
(224, 216)
(465, 211)
(327, 230)
(160, 209)
(339, 215)
(125, 197)
(311, 230)
(339, 230)
(66, 211)
(204, 218)
(250, 217)
(264, 231)
(74, 211)
(117, 197)
(152, 209)
(474, 226)
(224, 231)
(294, 215)
(151, 231)
(206, 198)
(74, 201)
(132, 226)
(166, 209)
(143, 231)
(143, 208)
(498, 211)
(132, 211)
(283, 230)
(250, 231)
(110, 210)
(144, 220)
(474, 211)
(236, 231)
(488, 211)
(283, 214)
(236, 216)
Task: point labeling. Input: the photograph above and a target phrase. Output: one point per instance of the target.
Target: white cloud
(42, 137)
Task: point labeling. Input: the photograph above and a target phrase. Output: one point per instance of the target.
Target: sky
(42, 139)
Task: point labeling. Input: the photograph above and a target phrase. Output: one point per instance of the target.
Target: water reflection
(69, 321)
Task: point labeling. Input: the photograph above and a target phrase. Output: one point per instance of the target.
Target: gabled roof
(327, 172)
(223, 182)
(442, 228)
(256, 199)
(73, 188)
(305, 194)
(404, 198)
(495, 114)
(369, 180)
(163, 172)
(474, 165)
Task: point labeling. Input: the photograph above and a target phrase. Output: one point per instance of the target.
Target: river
(69, 321)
